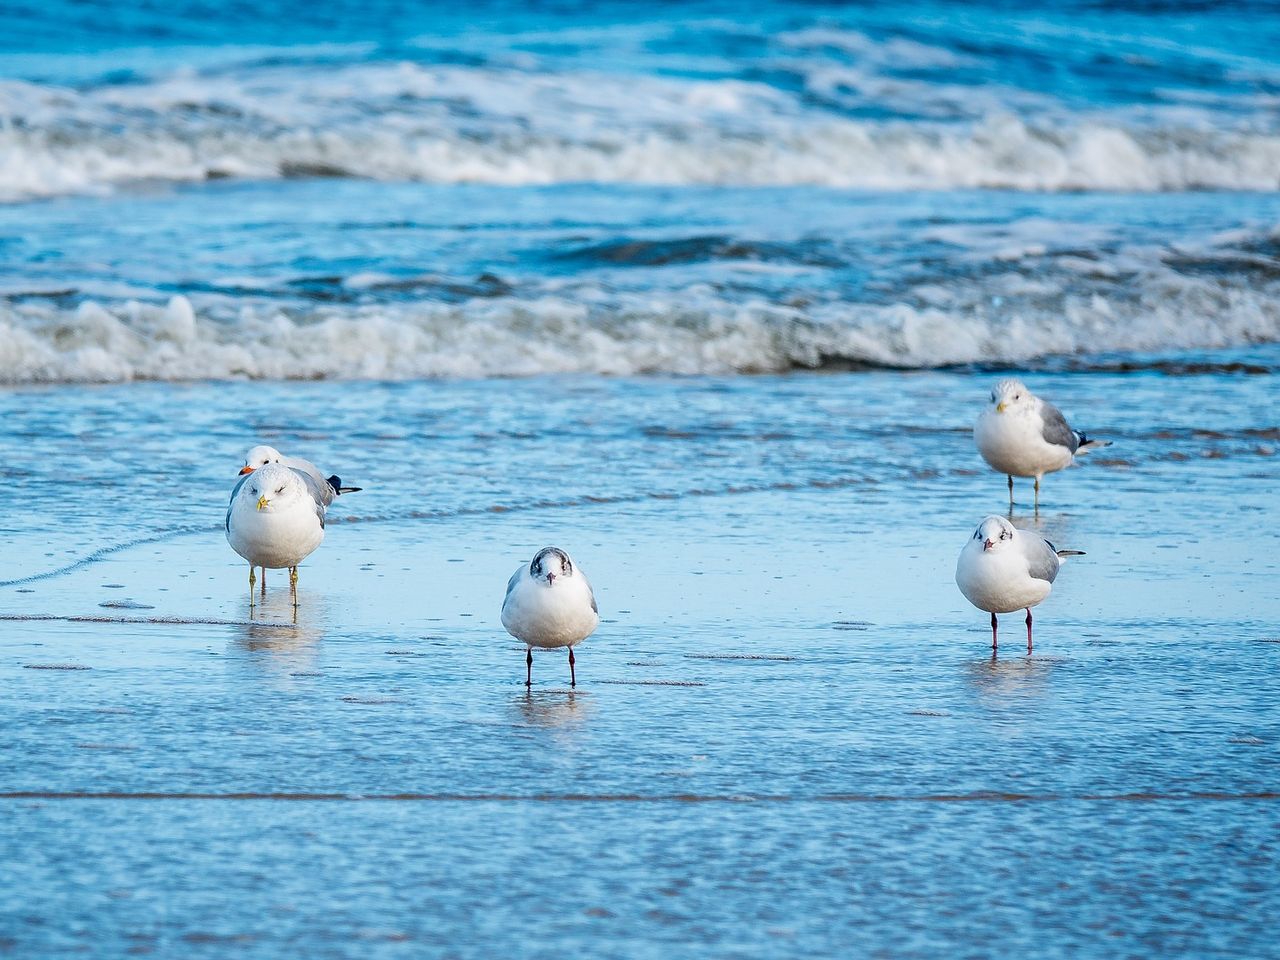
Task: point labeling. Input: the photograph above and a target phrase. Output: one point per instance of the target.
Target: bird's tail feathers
(1086, 444)
(338, 489)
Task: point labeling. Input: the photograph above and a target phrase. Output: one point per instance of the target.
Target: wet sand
(789, 737)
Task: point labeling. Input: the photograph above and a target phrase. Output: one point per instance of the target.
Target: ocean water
(389, 192)
(711, 297)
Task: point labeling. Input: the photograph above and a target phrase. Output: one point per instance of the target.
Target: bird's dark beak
(551, 578)
(987, 544)
(246, 469)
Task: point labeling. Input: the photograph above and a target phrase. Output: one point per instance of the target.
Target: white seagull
(276, 519)
(1002, 569)
(1021, 435)
(549, 604)
(261, 455)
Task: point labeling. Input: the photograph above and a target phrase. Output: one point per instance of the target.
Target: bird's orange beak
(246, 469)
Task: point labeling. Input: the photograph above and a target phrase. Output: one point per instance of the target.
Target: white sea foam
(692, 332)
(451, 124)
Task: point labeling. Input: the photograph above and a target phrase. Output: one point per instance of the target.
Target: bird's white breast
(550, 616)
(1014, 443)
(997, 581)
(274, 538)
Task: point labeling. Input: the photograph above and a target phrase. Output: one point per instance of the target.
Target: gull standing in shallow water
(1002, 569)
(1023, 436)
(329, 487)
(276, 519)
(549, 604)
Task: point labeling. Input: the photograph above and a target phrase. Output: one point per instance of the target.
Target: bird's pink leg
(573, 680)
(528, 668)
(1028, 629)
(993, 631)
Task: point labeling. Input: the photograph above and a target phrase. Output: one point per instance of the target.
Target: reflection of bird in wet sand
(1021, 435)
(549, 604)
(551, 708)
(1002, 569)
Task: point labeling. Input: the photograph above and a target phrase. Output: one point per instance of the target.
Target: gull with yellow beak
(275, 519)
(261, 455)
(1021, 435)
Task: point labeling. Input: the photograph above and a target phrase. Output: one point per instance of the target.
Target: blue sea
(710, 295)
(394, 191)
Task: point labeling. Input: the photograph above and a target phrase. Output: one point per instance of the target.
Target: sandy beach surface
(789, 735)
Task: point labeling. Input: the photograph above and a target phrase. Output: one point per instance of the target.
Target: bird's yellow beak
(1000, 407)
(246, 469)
(262, 502)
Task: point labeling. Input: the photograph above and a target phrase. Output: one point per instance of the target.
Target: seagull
(276, 519)
(1023, 436)
(549, 604)
(1002, 569)
(262, 455)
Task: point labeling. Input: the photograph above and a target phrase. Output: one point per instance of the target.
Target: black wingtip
(338, 489)
(1069, 553)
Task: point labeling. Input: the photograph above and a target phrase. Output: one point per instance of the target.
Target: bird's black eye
(1005, 535)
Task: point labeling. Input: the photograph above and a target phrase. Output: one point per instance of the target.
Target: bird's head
(258, 457)
(994, 534)
(274, 487)
(550, 566)
(1010, 395)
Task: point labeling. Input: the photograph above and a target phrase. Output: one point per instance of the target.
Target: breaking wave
(505, 126)
(688, 333)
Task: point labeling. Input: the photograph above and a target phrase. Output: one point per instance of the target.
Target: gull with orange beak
(1002, 569)
(1021, 435)
(261, 455)
(549, 604)
(276, 520)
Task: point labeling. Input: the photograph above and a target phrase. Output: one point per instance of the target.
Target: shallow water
(789, 734)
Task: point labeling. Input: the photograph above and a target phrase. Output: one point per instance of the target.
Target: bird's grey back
(1042, 558)
(1055, 429)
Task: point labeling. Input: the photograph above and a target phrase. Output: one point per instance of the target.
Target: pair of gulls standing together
(276, 519)
(1002, 569)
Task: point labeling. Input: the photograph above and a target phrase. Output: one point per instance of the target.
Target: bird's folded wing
(318, 479)
(317, 489)
(1055, 429)
(1042, 558)
(230, 503)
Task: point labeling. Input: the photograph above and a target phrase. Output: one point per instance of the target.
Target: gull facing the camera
(1021, 435)
(276, 519)
(1002, 569)
(549, 604)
